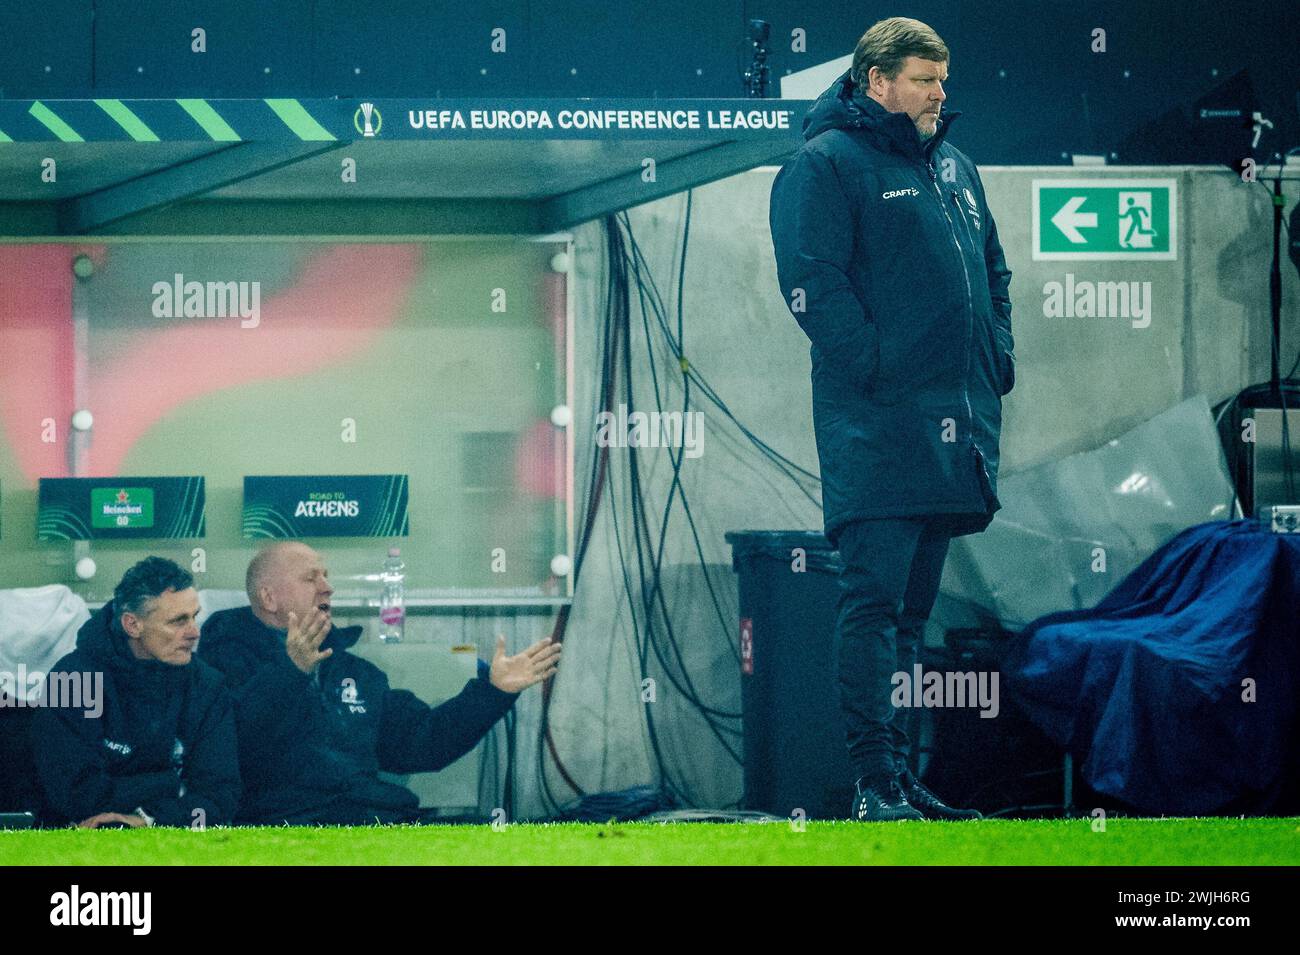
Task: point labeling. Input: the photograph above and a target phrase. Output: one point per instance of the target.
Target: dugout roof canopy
(150, 167)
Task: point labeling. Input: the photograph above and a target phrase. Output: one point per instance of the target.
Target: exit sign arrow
(1070, 220)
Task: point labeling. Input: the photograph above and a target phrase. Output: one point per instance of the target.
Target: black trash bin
(795, 755)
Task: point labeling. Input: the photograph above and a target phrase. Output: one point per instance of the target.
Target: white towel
(38, 626)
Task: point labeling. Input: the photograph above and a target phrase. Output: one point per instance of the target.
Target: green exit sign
(1105, 219)
(121, 507)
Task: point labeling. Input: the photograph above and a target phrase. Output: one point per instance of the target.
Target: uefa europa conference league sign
(118, 508)
(335, 505)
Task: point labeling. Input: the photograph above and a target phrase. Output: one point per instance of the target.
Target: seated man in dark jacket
(155, 741)
(317, 724)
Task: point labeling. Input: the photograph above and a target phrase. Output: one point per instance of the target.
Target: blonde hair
(889, 43)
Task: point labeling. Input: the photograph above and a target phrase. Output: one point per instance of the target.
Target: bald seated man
(317, 724)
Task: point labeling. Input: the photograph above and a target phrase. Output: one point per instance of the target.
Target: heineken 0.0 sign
(119, 508)
(1077, 219)
(330, 505)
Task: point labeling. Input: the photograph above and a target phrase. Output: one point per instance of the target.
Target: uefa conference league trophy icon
(367, 109)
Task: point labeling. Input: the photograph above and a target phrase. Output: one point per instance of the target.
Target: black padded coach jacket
(889, 260)
(311, 747)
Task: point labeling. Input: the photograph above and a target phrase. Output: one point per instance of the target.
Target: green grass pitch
(1125, 841)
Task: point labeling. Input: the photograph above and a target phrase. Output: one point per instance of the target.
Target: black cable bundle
(627, 266)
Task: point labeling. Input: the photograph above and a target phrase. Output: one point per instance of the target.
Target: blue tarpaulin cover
(1148, 689)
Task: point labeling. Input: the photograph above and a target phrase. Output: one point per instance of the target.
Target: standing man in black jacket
(890, 262)
(317, 724)
(157, 745)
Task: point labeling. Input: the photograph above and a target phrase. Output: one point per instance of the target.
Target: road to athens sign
(1105, 219)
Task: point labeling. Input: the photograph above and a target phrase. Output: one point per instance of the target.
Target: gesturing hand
(304, 639)
(519, 672)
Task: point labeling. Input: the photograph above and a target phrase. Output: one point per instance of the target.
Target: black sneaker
(928, 804)
(881, 802)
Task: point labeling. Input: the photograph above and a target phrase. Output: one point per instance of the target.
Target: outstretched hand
(514, 674)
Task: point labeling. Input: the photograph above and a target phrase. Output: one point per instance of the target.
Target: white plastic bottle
(392, 602)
